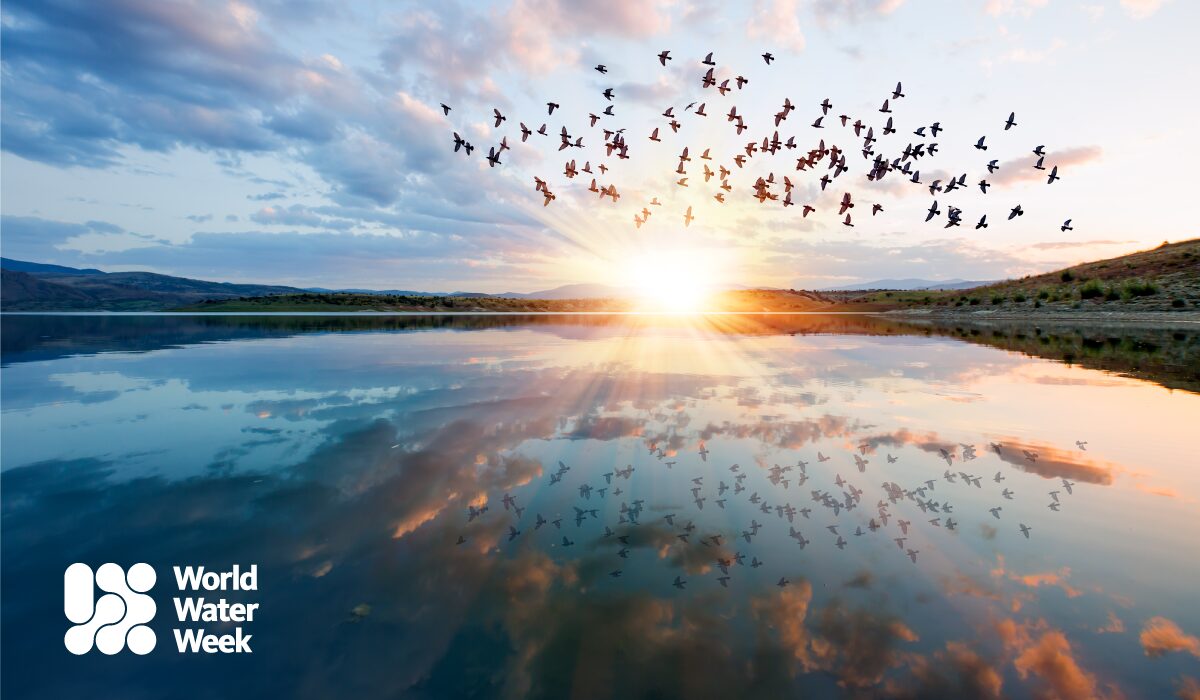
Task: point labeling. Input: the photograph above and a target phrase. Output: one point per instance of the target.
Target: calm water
(346, 457)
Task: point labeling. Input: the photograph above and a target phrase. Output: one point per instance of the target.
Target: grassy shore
(1162, 280)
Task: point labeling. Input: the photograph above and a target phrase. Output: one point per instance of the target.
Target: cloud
(1054, 463)
(784, 614)
(789, 435)
(956, 671)
(1022, 54)
(1141, 9)
(593, 427)
(452, 46)
(374, 163)
(535, 28)
(1188, 688)
(1161, 636)
(297, 215)
(457, 48)
(1060, 245)
(655, 93)
(860, 645)
(1113, 626)
(777, 21)
(1021, 169)
(374, 258)
(853, 10)
(1024, 8)
(28, 233)
(82, 79)
(84, 82)
(1050, 659)
(1056, 579)
(44, 240)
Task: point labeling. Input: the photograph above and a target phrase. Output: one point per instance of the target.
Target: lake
(612, 506)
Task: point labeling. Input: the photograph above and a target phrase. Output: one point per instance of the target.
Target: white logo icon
(115, 620)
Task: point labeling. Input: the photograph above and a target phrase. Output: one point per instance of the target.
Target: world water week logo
(120, 617)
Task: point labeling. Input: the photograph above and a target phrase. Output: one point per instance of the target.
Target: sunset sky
(301, 142)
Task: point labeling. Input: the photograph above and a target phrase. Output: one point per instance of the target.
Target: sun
(671, 281)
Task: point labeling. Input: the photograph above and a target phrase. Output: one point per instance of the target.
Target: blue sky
(301, 142)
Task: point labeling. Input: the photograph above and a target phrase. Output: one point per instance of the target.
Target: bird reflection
(678, 521)
(838, 504)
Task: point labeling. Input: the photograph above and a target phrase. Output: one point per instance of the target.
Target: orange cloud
(1049, 578)
(1161, 636)
(1054, 463)
(1158, 491)
(786, 613)
(1114, 626)
(1050, 659)
(956, 671)
(416, 520)
(1188, 688)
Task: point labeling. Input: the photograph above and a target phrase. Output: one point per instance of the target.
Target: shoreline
(910, 315)
(1156, 317)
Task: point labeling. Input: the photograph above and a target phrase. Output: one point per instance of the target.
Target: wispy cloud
(1024, 8)
(1141, 9)
(777, 21)
(1021, 169)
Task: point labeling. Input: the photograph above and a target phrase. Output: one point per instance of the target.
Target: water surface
(347, 458)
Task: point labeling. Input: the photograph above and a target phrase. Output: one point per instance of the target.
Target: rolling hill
(909, 284)
(1166, 278)
(37, 287)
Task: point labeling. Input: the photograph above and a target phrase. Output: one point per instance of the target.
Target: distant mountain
(35, 268)
(911, 284)
(30, 286)
(567, 291)
(572, 291)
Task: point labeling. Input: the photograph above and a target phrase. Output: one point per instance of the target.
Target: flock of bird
(823, 156)
(841, 511)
